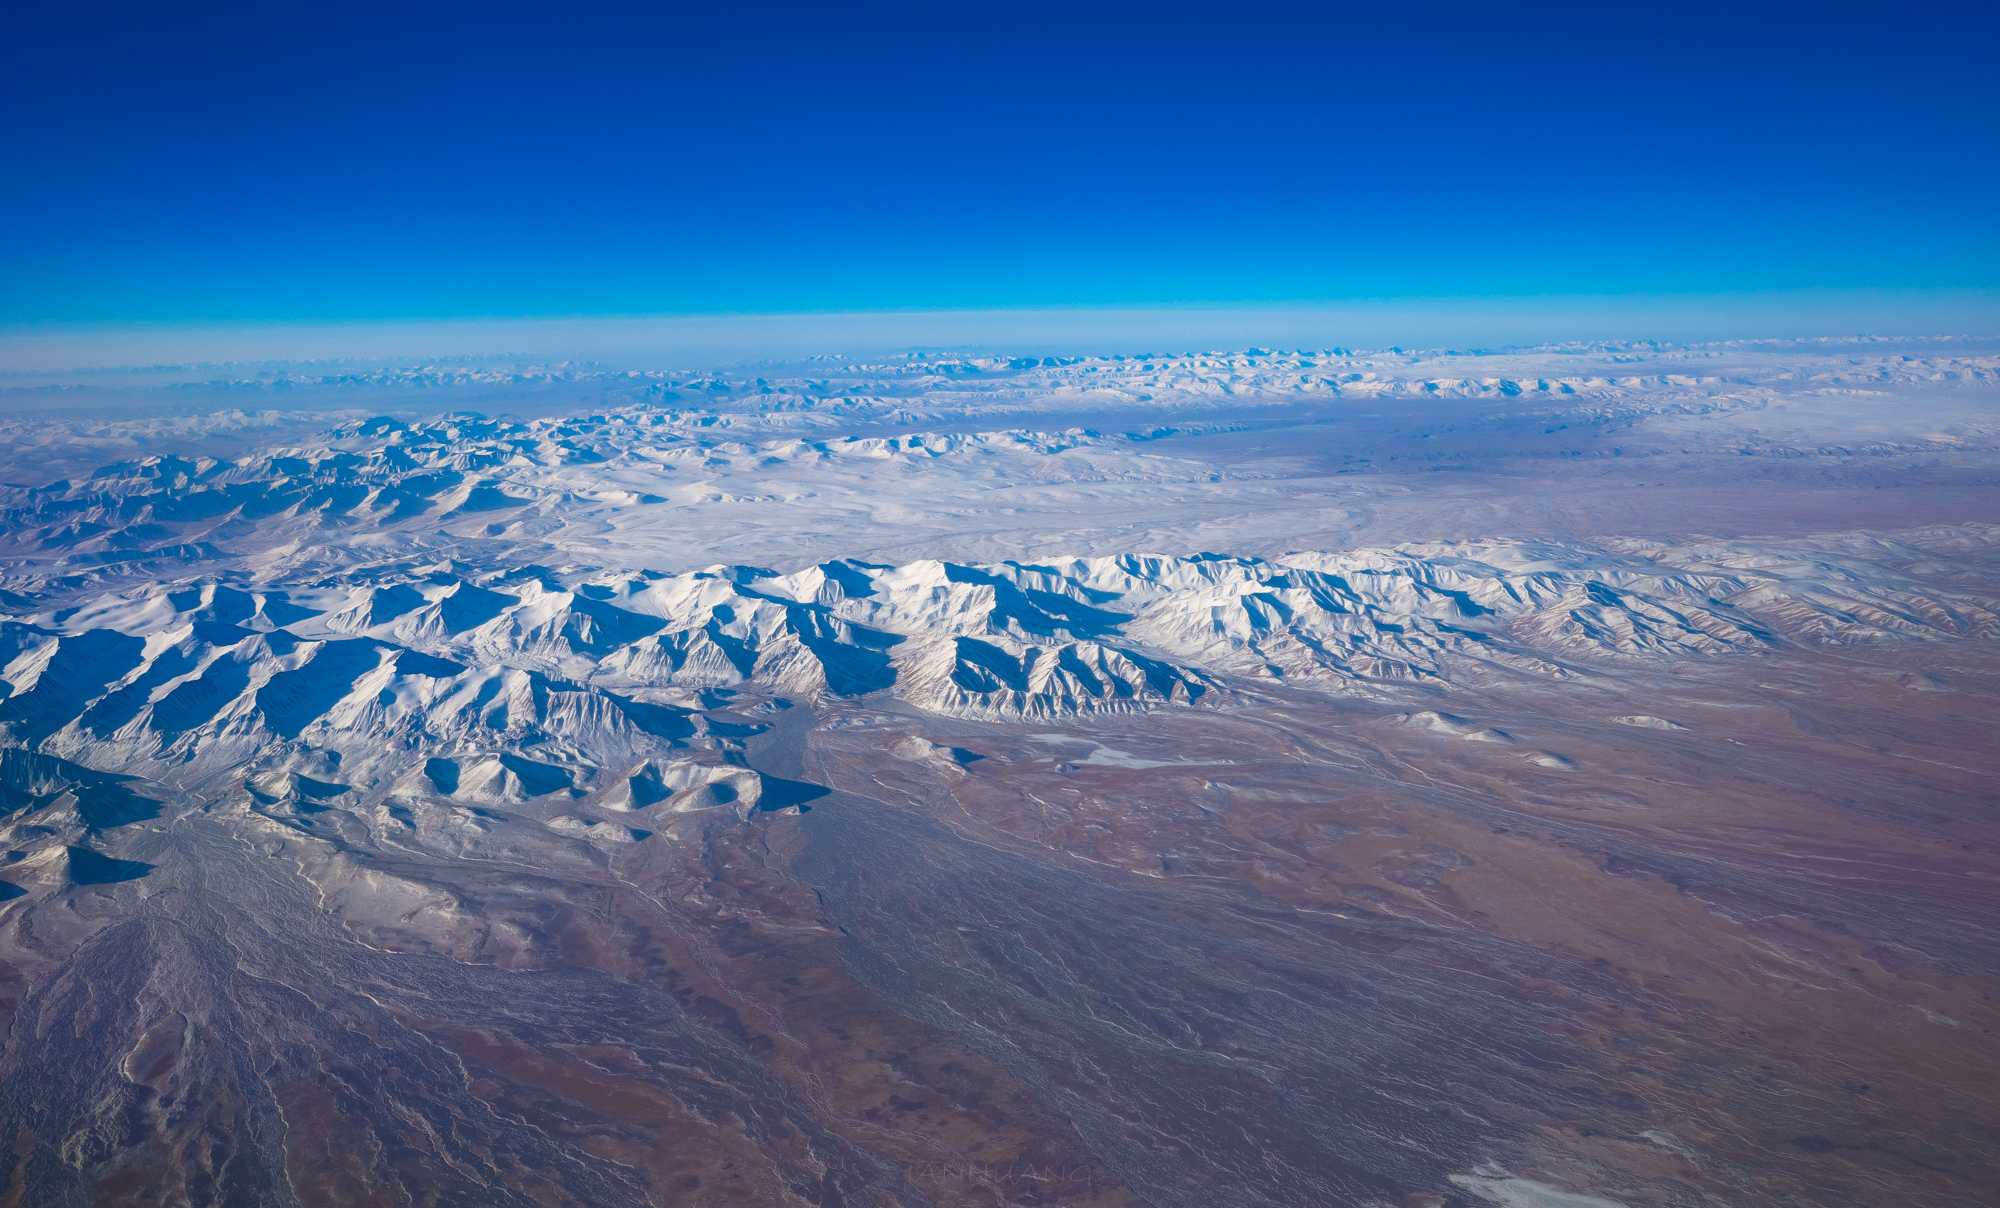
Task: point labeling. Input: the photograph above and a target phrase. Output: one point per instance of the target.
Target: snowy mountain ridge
(441, 654)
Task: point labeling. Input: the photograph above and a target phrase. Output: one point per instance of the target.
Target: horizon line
(1489, 322)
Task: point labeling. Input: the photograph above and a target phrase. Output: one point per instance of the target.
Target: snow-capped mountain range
(527, 682)
(467, 607)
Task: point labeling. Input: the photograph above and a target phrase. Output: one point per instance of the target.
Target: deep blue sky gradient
(338, 163)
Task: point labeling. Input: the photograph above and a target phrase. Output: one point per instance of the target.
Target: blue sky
(292, 164)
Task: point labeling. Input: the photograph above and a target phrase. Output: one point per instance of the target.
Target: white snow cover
(499, 610)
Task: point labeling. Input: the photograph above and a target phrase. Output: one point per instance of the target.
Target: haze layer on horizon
(722, 340)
